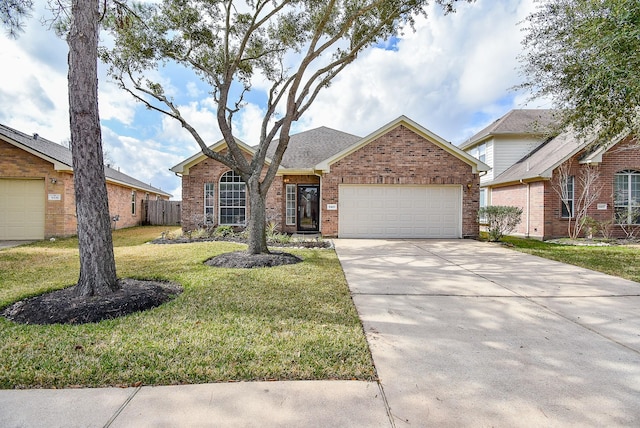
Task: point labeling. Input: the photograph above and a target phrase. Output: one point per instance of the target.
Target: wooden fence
(161, 213)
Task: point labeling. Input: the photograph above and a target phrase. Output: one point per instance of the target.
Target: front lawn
(287, 322)
(617, 260)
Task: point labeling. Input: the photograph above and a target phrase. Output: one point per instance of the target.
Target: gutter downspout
(527, 208)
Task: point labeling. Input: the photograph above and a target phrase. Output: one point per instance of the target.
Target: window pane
(232, 197)
(291, 204)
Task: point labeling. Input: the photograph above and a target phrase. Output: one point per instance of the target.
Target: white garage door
(21, 209)
(396, 211)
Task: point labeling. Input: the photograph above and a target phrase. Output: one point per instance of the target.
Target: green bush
(500, 219)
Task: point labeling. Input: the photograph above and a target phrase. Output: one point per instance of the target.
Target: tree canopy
(585, 56)
(296, 47)
(12, 12)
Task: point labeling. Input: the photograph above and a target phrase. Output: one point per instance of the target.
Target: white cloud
(145, 160)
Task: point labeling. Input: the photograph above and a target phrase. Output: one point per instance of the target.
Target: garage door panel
(22, 207)
(395, 211)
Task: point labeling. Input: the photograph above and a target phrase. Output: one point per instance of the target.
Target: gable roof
(516, 122)
(477, 165)
(60, 157)
(308, 148)
(540, 163)
(184, 166)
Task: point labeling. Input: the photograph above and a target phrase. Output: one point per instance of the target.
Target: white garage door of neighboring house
(22, 207)
(399, 211)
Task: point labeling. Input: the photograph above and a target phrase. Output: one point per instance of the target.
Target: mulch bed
(241, 259)
(64, 307)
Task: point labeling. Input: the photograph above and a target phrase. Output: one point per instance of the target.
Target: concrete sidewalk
(243, 404)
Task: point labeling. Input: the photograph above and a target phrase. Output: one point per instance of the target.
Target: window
(133, 202)
(291, 204)
(567, 197)
(482, 152)
(483, 203)
(233, 199)
(626, 190)
(209, 202)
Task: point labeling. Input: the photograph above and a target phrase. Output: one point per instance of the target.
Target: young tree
(97, 262)
(584, 55)
(577, 204)
(296, 46)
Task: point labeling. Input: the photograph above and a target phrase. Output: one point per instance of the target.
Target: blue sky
(452, 75)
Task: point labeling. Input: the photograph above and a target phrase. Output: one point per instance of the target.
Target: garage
(22, 208)
(399, 211)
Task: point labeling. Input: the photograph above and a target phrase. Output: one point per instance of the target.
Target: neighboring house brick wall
(545, 205)
(60, 216)
(400, 157)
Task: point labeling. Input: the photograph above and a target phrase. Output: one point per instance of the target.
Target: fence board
(161, 213)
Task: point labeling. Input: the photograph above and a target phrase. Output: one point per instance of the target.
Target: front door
(308, 208)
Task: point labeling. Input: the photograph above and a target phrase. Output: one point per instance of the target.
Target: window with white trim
(567, 197)
(626, 190)
(232, 199)
(209, 203)
(291, 204)
(133, 202)
(482, 152)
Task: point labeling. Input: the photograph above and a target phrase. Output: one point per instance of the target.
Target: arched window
(626, 190)
(232, 199)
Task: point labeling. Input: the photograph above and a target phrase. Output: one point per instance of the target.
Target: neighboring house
(526, 160)
(401, 181)
(37, 194)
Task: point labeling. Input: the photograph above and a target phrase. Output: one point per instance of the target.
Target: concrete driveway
(465, 333)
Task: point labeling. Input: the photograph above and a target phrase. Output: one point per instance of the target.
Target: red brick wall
(546, 220)
(401, 157)
(60, 216)
(530, 198)
(210, 171)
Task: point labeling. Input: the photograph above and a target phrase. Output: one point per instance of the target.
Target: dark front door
(308, 208)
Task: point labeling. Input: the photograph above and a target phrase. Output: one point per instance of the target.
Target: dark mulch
(241, 259)
(294, 244)
(64, 307)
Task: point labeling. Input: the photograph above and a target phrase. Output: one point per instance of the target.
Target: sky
(453, 75)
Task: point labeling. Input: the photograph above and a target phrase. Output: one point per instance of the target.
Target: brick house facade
(529, 182)
(305, 196)
(31, 164)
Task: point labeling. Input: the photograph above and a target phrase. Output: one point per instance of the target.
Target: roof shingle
(62, 155)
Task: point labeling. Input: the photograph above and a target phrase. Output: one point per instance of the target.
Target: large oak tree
(296, 46)
(585, 56)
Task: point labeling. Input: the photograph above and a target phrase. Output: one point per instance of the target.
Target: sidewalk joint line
(122, 407)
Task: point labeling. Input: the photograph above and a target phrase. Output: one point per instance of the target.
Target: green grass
(288, 322)
(617, 260)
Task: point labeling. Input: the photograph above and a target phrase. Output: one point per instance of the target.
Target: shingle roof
(520, 122)
(307, 149)
(541, 161)
(62, 155)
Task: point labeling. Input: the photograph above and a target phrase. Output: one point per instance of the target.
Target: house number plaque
(332, 207)
(55, 197)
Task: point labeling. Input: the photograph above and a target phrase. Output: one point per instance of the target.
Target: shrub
(223, 231)
(500, 220)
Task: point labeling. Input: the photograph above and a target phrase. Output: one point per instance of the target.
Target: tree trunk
(97, 263)
(257, 219)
